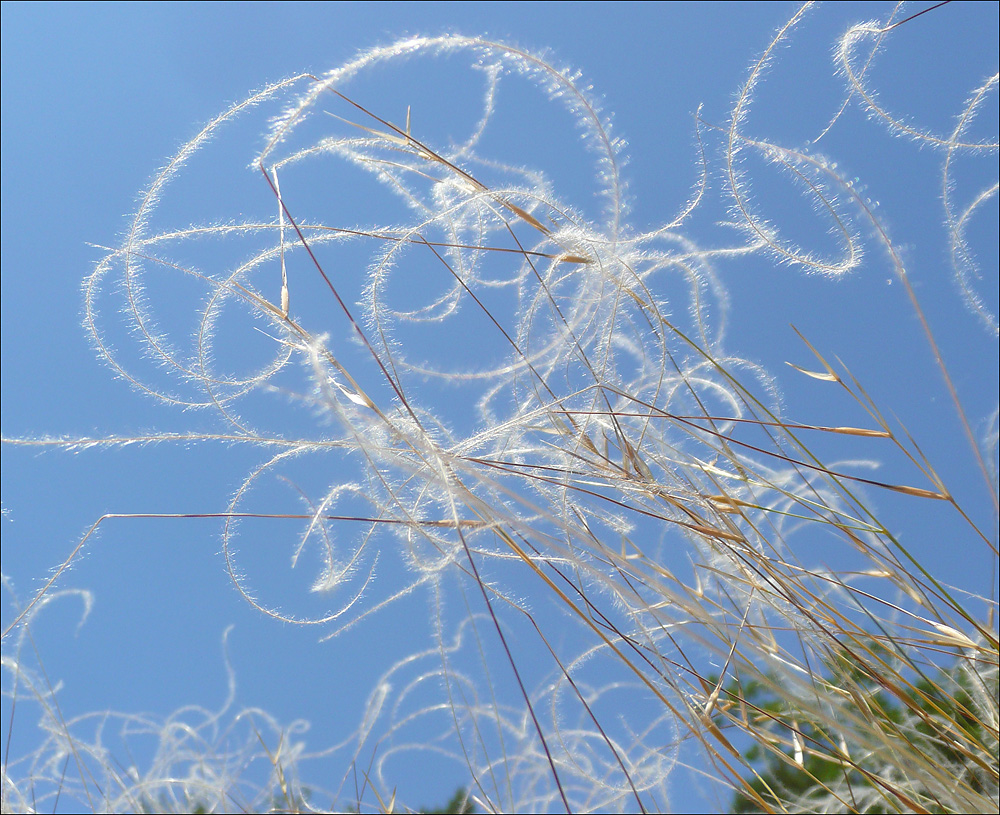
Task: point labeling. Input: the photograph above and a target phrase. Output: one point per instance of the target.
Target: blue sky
(96, 97)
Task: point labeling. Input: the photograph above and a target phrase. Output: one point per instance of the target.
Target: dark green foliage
(459, 804)
(936, 717)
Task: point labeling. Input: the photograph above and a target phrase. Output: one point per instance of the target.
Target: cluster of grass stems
(609, 432)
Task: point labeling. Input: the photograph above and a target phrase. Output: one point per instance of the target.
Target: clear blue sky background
(95, 97)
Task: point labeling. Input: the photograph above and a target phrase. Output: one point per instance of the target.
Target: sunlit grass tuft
(610, 513)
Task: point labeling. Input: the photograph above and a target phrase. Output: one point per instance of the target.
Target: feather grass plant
(611, 516)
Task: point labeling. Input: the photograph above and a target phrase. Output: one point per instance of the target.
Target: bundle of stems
(630, 518)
